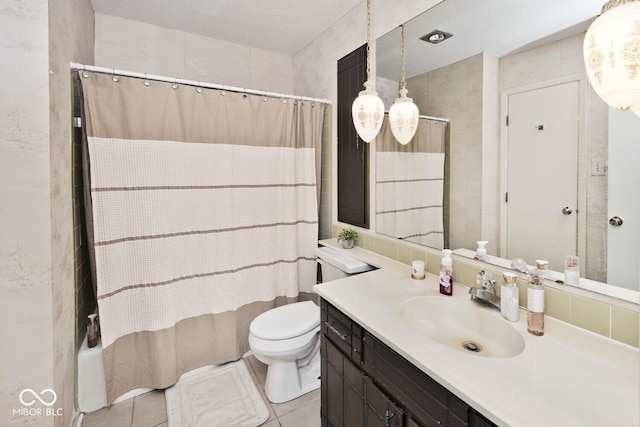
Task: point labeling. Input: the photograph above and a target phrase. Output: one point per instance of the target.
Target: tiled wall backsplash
(324, 214)
(619, 320)
(85, 301)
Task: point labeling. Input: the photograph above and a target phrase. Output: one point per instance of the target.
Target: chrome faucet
(486, 294)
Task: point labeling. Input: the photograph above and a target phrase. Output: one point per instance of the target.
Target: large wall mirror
(535, 158)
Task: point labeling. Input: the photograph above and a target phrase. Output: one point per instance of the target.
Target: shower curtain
(204, 210)
(410, 184)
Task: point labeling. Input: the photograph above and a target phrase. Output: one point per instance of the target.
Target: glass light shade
(612, 54)
(367, 111)
(403, 118)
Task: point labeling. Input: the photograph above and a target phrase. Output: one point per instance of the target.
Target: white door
(623, 251)
(542, 174)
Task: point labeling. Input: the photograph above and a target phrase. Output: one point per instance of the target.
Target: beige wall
(36, 287)
(144, 48)
(388, 91)
(26, 353)
(466, 93)
(71, 39)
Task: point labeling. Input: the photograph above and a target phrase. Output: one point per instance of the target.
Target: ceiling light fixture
(612, 54)
(436, 36)
(368, 109)
(403, 114)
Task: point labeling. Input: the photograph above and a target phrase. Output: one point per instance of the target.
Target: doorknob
(616, 221)
(567, 210)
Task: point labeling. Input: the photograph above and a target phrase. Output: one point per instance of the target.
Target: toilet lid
(287, 321)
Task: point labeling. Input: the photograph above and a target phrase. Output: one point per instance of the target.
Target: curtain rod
(113, 71)
(437, 119)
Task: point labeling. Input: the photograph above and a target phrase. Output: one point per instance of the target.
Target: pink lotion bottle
(446, 273)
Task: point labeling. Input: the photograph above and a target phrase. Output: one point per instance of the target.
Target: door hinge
(507, 120)
(77, 122)
(506, 197)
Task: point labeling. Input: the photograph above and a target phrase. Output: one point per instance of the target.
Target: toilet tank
(337, 265)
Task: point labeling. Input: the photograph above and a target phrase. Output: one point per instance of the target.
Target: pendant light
(403, 114)
(368, 109)
(612, 54)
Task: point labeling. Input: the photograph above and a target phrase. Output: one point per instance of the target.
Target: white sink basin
(463, 326)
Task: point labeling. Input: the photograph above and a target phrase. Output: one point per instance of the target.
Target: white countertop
(568, 377)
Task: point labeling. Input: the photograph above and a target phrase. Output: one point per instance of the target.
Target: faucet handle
(486, 281)
(482, 277)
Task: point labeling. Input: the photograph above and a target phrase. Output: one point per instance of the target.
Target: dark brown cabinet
(350, 398)
(366, 383)
(353, 153)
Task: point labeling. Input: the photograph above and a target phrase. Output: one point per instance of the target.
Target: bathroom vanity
(383, 364)
(366, 383)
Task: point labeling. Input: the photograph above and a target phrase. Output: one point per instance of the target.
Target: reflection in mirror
(410, 198)
(493, 63)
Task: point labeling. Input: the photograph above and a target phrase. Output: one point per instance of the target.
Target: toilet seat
(287, 321)
(279, 348)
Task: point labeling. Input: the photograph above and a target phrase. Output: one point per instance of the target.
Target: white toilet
(287, 338)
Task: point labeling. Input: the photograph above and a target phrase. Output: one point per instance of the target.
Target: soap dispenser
(481, 252)
(446, 273)
(509, 297)
(92, 331)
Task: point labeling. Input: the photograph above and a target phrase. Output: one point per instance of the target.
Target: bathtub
(92, 389)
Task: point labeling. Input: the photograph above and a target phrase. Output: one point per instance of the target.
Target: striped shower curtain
(204, 210)
(410, 184)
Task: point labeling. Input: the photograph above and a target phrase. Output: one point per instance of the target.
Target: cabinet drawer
(341, 331)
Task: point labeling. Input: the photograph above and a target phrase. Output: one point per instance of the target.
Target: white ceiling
(284, 26)
(498, 27)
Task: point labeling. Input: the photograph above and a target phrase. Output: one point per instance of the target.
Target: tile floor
(150, 409)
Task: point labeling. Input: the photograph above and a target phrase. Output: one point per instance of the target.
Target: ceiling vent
(436, 36)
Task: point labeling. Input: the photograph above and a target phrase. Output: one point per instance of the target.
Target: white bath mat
(212, 396)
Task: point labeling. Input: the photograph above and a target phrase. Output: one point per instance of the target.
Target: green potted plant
(348, 237)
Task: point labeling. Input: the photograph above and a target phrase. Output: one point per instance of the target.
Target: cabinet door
(349, 398)
(381, 411)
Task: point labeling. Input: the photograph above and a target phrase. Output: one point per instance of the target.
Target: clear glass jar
(509, 297)
(571, 270)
